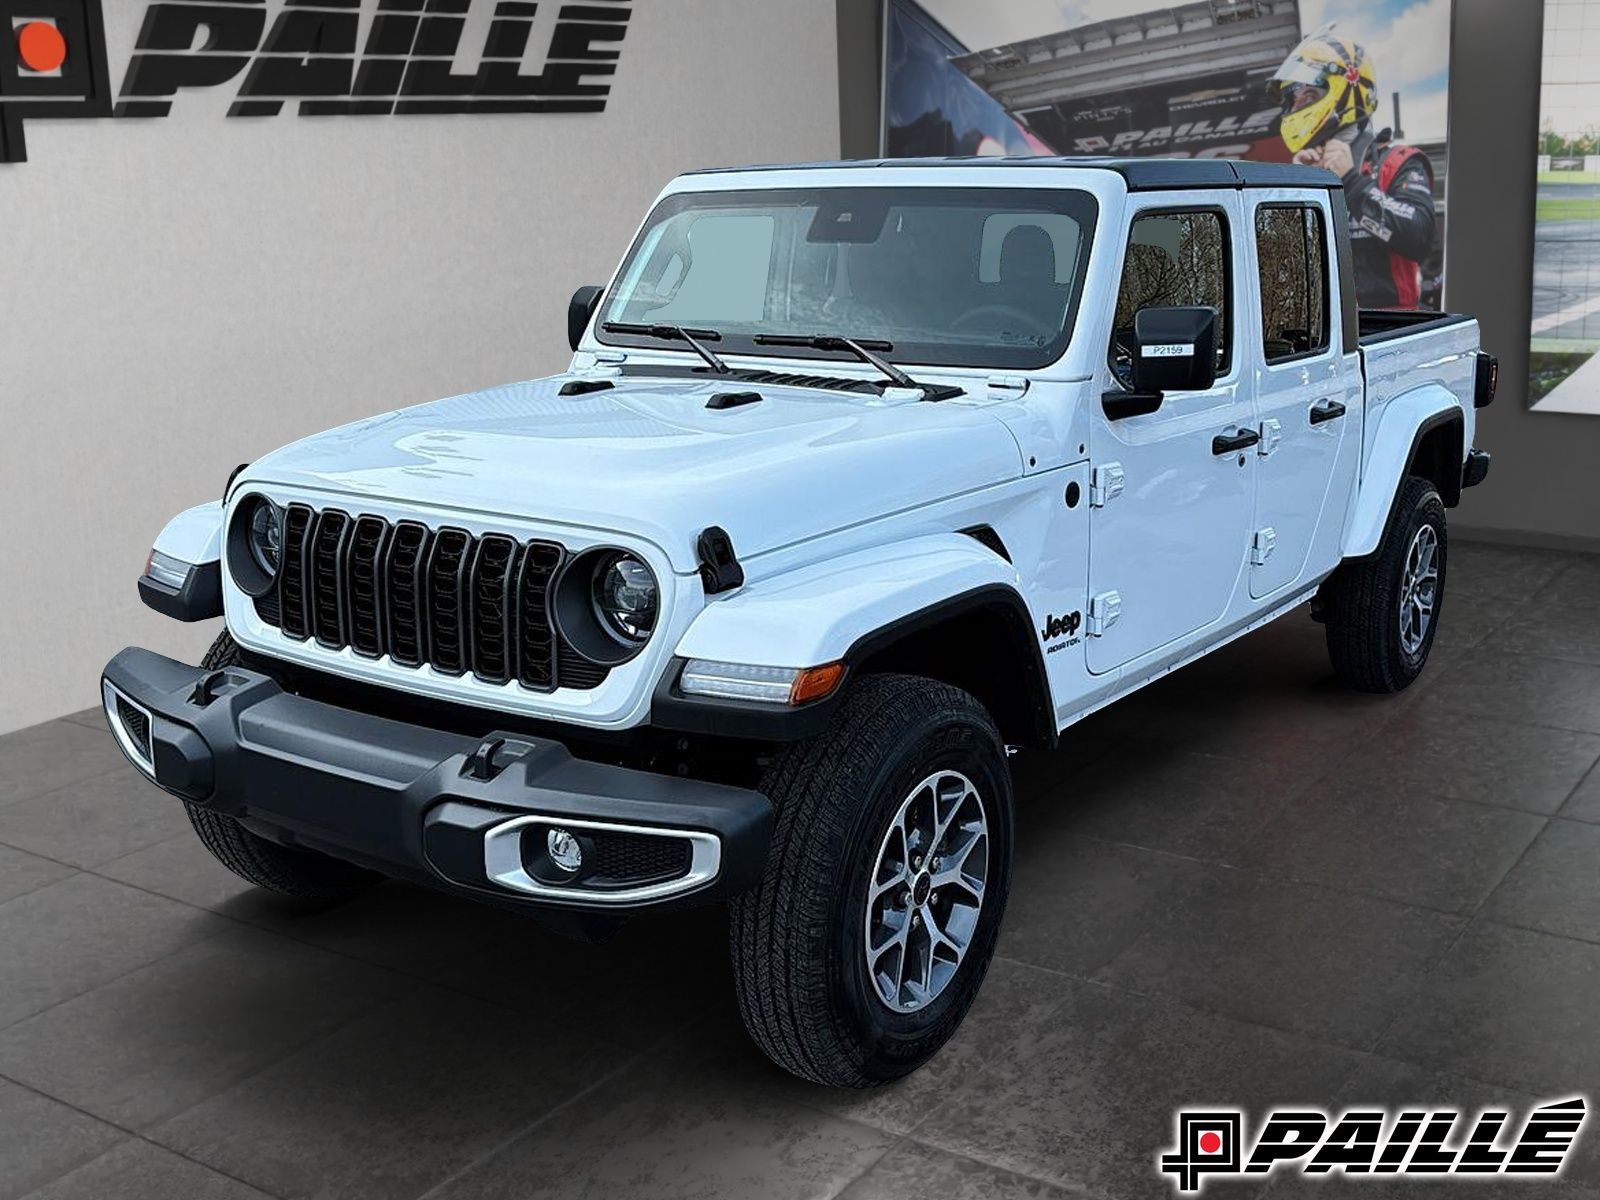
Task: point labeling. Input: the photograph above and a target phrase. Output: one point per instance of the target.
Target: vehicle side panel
(1410, 380)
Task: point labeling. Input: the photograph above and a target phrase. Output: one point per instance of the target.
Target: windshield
(983, 277)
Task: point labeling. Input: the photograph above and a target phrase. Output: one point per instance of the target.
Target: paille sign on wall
(330, 57)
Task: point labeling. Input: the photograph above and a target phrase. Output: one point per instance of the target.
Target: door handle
(1227, 443)
(1326, 410)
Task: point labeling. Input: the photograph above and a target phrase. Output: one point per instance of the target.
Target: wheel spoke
(952, 870)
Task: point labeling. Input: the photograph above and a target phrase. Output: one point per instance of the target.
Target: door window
(1173, 259)
(1291, 255)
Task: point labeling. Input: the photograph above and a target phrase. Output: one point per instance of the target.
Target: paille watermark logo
(322, 57)
(1374, 1141)
(52, 64)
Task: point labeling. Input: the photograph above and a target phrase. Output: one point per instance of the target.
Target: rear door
(1170, 512)
(1308, 391)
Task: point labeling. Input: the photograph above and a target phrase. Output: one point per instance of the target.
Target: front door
(1171, 490)
(1308, 392)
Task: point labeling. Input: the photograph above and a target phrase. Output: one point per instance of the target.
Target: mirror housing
(580, 311)
(1174, 350)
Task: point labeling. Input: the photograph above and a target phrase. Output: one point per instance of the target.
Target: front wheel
(1382, 611)
(859, 952)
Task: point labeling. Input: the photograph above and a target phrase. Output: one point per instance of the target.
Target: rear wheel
(859, 952)
(303, 874)
(1382, 611)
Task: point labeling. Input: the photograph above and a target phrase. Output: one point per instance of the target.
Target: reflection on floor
(1245, 886)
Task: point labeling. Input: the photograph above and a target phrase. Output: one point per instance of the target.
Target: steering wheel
(1009, 312)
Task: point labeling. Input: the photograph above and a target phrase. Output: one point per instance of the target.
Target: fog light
(564, 850)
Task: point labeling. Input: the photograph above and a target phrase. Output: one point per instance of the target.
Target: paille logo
(328, 57)
(52, 64)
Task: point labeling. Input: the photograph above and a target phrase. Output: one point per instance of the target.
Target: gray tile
(1276, 712)
(1556, 886)
(137, 1170)
(1328, 964)
(1490, 760)
(94, 821)
(1517, 687)
(157, 1040)
(1465, 623)
(1151, 795)
(21, 873)
(181, 867)
(1012, 1007)
(44, 757)
(698, 1121)
(656, 975)
(71, 936)
(89, 718)
(912, 1171)
(1553, 632)
(40, 1139)
(1578, 586)
(1507, 1006)
(1089, 1103)
(1500, 572)
(413, 930)
(1076, 904)
(1584, 804)
(1401, 845)
(390, 1104)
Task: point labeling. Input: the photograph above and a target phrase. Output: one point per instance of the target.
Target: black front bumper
(434, 807)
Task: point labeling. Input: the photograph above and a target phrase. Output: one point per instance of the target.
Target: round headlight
(254, 545)
(626, 597)
(266, 536)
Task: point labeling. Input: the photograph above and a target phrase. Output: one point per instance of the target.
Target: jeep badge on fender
(748, 605)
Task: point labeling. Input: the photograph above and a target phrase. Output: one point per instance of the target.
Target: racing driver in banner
(1328, 91)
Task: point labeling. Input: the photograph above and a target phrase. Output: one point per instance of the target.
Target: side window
(1174, 259)
(1292, 257)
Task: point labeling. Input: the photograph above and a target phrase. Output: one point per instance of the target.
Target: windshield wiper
(863, 349)
(675, 333)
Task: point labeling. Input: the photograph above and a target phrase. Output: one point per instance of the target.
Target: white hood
(647, 457)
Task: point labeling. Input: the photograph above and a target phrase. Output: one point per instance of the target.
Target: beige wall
(178, 296)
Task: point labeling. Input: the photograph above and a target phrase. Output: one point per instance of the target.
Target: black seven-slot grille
(424, 597)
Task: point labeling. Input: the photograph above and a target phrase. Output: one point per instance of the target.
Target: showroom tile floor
(1243, 886)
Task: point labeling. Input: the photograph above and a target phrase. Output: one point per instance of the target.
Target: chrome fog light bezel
(504, 864)
(141, 757)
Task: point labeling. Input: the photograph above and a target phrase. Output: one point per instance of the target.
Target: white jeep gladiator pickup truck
(861, 475)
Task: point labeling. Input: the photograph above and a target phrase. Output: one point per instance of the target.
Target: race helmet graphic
(1325, 84)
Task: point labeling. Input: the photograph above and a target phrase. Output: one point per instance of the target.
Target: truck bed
(1380, 324)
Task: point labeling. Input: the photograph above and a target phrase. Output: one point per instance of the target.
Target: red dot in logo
(41, 46)
(1210, 1143)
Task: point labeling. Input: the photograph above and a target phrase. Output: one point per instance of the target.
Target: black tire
(1361, 601)
(303, 874)
(798, 938)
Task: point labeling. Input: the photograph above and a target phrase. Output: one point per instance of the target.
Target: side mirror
(1174, 350)
(580, 311)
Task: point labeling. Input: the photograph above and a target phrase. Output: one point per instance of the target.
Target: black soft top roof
(1141, 174)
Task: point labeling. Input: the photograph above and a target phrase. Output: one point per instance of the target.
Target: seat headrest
(1027, 255)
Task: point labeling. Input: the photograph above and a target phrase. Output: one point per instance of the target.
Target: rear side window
(1292, 257)
(1174, 259)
